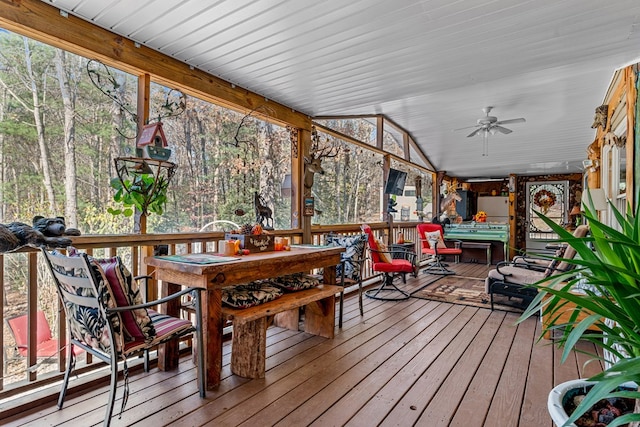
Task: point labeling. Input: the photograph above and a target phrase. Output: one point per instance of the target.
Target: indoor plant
(608, 274)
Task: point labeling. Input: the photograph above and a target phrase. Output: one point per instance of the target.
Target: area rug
(466, 291)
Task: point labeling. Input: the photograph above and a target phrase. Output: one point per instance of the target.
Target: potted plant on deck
(603, 291)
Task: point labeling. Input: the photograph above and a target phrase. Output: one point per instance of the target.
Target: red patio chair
(432, 243)
(382, 261)
(47, 346)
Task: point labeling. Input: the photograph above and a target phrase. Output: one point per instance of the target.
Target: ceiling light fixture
(491, 124)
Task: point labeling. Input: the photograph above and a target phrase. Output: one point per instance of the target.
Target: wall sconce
(592, 165)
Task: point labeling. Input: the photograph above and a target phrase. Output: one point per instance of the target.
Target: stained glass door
(550, 198)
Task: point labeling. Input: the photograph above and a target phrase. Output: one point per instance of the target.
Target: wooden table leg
(212, 329)
(329, 275)
(168, 353)
(320, 317)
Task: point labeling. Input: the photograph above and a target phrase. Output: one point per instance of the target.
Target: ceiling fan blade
(466, 127)
(474, 133)
(502, 130)
(505, 122)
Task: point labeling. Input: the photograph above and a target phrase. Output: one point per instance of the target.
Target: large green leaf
(608, 263)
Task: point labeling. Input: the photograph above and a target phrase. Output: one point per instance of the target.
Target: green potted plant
(141, 185)
(608, 275)
(142, 193)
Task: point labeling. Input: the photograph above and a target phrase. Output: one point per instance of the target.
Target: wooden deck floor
(412, 362)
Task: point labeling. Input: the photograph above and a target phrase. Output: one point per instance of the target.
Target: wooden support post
(319, 317)
(249, 361)
(305, 144)
(513, 196)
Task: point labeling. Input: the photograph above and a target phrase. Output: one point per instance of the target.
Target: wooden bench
(249, 342)
(479, 245)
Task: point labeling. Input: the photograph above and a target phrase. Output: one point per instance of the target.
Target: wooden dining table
(174, 274)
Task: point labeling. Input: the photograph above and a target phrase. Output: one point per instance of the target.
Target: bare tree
(35, 108)
(69, 95)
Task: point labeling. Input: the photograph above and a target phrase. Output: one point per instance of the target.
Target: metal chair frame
(437, 267)
(387, 286)
(58, 263)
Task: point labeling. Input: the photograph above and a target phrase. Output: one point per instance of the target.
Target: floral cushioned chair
(106, 317)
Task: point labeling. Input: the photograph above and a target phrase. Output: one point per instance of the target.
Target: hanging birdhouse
(152, 134)
(152, 142)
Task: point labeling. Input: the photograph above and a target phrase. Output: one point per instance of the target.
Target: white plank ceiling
(430, 65)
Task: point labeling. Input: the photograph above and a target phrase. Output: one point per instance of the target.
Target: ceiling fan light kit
(490, 124)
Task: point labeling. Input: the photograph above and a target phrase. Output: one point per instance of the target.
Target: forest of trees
(59, 135)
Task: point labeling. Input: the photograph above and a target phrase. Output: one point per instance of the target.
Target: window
(224, 158)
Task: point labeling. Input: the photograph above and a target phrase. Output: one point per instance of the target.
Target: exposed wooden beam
(37, 20)
(385, 119)
(380, 133)
(357, 142)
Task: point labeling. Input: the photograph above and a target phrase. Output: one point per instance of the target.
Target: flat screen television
(395, 182)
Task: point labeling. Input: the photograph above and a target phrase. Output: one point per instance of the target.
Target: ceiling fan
(490, 124)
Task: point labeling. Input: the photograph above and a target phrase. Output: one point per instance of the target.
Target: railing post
(32, 309)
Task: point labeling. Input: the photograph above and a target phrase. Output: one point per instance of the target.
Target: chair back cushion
(429, 232)
(570, 253)
(137, 324)
(353, 252)
(82, 291)
(382, 248)
(108, 285)
(373, 245)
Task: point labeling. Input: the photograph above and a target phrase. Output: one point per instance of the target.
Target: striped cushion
(165, 326)
(136, 323)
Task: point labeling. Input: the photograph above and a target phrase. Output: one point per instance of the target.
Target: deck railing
(27, 287)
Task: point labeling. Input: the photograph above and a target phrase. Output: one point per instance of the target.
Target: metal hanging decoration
(262, 108)
(141, 184)
(174, 102)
